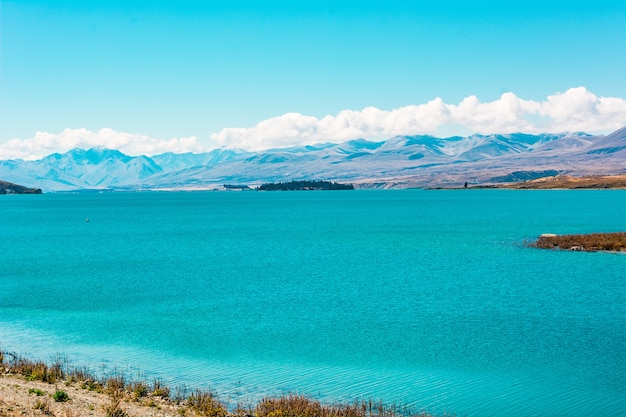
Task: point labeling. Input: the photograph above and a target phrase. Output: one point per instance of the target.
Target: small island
(10, 188)
(592, 242)
(305, 186)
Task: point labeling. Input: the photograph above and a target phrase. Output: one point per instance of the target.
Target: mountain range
(399, 162)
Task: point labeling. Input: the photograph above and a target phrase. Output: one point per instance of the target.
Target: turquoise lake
(426, 298)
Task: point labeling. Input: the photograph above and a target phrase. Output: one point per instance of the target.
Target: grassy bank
(569, 182)
(33, 387)
(584, 242)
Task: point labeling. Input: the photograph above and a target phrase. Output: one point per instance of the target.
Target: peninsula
(10, 188)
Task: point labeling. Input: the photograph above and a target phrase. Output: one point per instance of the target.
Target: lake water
(426, 298)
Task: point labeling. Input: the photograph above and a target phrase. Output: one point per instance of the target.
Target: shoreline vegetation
(591, 242)
(304, 186)
(34, 387)
(554, 182)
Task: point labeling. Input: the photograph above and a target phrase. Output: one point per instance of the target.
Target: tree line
(304, 185)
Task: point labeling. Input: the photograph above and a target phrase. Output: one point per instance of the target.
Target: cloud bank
(577, 109)
(44, 143)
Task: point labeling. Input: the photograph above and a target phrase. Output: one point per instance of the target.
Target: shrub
(140, 389)
(60, 397)
(116, 383)
(116, 413)
(114, 409)
(91, 385)
(37, 392)
(115, 390)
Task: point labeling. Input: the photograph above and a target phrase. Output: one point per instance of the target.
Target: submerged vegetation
(586, 242)
(121, 393)
(305, 185)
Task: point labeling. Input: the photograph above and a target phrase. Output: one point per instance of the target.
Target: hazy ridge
(399, 162)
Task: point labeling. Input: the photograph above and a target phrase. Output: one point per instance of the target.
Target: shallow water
(422, 297)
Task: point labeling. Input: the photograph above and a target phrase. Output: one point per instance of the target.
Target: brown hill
(569, 182)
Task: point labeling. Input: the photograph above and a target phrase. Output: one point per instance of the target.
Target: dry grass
(294, 405)
(120, 397)
(206, 403)
(587, 242)
(33, 370)
(569, 182)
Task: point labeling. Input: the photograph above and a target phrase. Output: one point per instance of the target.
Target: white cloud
(44, 143)
(577, 109)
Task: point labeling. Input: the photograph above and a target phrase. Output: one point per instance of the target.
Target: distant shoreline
(566, 182)
(557, 182)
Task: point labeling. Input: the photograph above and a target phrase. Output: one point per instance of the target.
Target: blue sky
(216, 71)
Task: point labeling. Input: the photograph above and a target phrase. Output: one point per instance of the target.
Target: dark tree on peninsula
(305, 185)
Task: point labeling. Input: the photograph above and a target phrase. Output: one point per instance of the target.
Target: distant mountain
(82, 169)
(401, 161)
(177, 161)
(613, 144)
